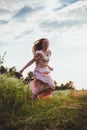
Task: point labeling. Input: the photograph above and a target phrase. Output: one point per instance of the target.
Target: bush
(13, 95)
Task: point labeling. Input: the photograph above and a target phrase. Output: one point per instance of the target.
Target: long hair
(38, 44)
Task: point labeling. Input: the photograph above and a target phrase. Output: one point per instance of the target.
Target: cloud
(27, 11)
(23, 13)
(3, 22)
(59, 8)
(68, 1)
(62, 24)
(36, 16)
(5, 15)
(71, 16)
(27, 32)
(64, 3)
(4, 11)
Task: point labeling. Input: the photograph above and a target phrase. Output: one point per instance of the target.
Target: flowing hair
(38, 44)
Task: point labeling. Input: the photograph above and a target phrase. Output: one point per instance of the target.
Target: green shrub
(13, 95)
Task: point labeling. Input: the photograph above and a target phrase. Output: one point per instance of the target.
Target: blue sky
(63, 22)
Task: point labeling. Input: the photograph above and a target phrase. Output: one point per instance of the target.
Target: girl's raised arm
(27, 65)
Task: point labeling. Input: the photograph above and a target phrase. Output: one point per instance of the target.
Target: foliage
(12, 96)
(10, 72)
(29, 77)
(68, 86)
(2, 58)
(3, 70)
(64, 110)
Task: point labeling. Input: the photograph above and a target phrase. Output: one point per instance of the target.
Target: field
(64, 110)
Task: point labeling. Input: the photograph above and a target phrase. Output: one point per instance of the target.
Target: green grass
(64, 110)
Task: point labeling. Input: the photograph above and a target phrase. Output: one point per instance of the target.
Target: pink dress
(42, 79)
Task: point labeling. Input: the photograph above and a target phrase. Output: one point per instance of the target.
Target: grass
(64, 110)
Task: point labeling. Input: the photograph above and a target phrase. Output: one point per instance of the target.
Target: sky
(63, 22)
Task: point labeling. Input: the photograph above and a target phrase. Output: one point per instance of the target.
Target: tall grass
(63, 110)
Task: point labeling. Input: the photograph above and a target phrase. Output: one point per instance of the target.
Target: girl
(43, 84)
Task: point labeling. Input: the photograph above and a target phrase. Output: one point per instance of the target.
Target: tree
(29, 77)
(69, 85)
(3, 70)
(13, 72)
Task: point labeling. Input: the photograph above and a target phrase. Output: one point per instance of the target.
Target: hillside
(64, 110)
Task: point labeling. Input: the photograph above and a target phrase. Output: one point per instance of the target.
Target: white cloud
(38, 17)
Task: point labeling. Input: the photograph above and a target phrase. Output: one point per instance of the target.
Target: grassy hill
(64, 110)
